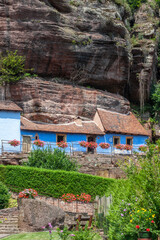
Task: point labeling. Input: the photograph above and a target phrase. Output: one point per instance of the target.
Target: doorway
(26, 145)
(91, 139)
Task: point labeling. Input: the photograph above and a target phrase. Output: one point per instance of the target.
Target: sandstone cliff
(61, 38)
(58, 103)
(87, 41)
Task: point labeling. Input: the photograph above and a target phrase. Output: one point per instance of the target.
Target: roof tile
(121, 123)
(9, 106)
(86, 128)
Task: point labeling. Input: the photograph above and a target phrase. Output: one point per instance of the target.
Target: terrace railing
(73, 148)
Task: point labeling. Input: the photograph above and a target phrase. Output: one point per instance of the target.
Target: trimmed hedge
(4, 196)
(53, 182)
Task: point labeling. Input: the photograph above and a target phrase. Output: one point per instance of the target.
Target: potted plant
(28, 193)
(128, 147)
(120, 146)
(83, 144)
(92, 145)
(14, 143)
(38, 143)
(62, 144)
(104, 145)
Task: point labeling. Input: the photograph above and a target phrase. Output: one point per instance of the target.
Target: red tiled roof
(121, 123)
(86, 128)
(9, 106)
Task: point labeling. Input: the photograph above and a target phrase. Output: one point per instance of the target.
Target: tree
(11, 68)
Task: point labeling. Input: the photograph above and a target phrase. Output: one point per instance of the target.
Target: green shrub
(4, 196)
(134, 4)
(139, 191)
(51, 159)
(53, 183)
(11, 67)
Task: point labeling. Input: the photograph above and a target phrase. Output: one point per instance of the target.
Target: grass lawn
(31, 236)
(37, 236)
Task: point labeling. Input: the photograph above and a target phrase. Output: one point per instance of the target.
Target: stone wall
(100, 164)
(94, 164)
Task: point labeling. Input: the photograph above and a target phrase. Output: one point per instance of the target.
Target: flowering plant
(28, 193)
(143, 220)
(124, 147)
(92, 145)
(38, 143)
(14, 143)
(104, 145)
(63, 234)
(120, 146)
(68, 197)
(84, 197)
(128, 147)
(62, 144)
(83, 144)
(143, 148)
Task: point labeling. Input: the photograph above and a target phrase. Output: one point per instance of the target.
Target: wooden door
(26, 146)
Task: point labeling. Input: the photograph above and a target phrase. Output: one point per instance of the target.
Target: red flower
(148, 230)
(152, 221)
(137, 226)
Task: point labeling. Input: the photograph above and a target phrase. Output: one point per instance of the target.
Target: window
(116, 140)
(61, 137)
(91, 139)
(36, 136)
(129, 140)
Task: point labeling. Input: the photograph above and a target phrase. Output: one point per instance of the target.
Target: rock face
(84, 40)
(57, 103)
(143, 69)
(33, 214)
(70, 38)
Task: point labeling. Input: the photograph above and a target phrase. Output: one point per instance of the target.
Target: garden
(133, 214)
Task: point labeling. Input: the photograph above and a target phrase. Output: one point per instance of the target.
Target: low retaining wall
(94, 164)
(71, 210)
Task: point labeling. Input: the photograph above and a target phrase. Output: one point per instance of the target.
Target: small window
(61, 137)
(129, 141)
(116, 140)
(36, 136)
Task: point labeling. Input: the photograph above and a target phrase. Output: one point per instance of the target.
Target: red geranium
(14, 143)
(28, 193)
(83, 144)
(152, 221)
(84, 197)
(38, 143)
(62, 144)
(92, 145)
(137, 226)
(148, 230)
(104, 145)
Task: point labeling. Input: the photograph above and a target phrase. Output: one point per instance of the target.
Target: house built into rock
(107, 127)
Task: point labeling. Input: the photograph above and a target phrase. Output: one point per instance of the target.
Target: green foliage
(134, 4)
(51, 159)
(53, 183)
(74, 3)
(140, 190)
(4, 196)
(134, 40)
(158, 2)
(85, 234)
(125, 4)
(156, 98)
(11, 67)
(82, 42)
